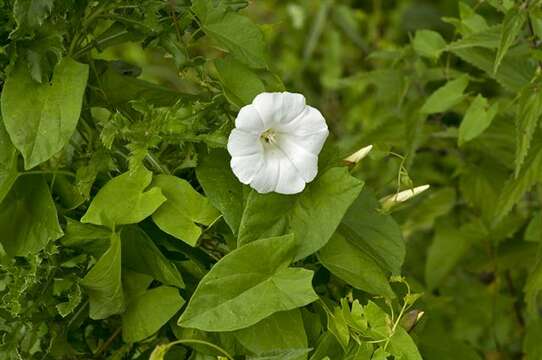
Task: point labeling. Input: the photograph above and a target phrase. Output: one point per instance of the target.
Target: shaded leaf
(477, 118)
(447, 96)
(148, 312)
(241, 85)
(41, 118)
(28, 218)
(223, 189)
(104, 283)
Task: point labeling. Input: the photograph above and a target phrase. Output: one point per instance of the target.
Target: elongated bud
(358, 155)
(403, 196)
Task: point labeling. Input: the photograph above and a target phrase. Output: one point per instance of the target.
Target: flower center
(269, 136)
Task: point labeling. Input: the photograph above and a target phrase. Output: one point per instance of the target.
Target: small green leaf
(428, 43)
(241, 85)
(125, 200)
(28, 218)
(402, 346)
(41, 118)
(312, 215)
(183, 210)
(477, 118)
(230, 296)
(512, 26)
(104, 283)
(30, 14)
(223, 189)
(149, 311)
(447, 96)
(140, 254)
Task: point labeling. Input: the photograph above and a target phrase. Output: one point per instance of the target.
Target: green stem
(199, 342)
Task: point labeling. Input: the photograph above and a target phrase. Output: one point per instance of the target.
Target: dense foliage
(125, 235)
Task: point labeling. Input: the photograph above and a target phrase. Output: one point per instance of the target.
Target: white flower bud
(403, 196)
(358, 155)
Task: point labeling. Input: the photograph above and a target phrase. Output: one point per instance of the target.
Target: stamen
(268, 136)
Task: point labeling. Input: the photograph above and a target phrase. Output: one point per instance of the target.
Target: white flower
(276, 142)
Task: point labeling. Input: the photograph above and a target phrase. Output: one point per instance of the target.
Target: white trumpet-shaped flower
(276, 142)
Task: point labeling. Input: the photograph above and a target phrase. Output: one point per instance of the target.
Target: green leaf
(527, 119)
(374, 233)
(281, 331)
(42, 53)
(104, 283)
(448, 246)
(477, 118)
(236, 33)
(533, 286)
(149, 311)
(230, 297)
(402, 346)
(125, 200)
(516, 187)
(8, 162)
(447, 96)
(30, 14)
(422, 216)
(312, 215)
(514, 71)
(531, 341)
(183, 210)
(428, 43)
(91, 238)
(223, 189)
(140, 254)
(41, 118)
(512, 26)
(28, 218)
(351, 264)
(241, 85)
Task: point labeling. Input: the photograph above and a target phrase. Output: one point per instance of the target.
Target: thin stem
(199, 342)
(48, 172)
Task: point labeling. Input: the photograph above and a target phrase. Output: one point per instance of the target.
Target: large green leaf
(351, 264)
(41, 118)
(149, 311)
(125, 200)
(375, 233)
(281, 331)
(28, 218)
(183, 210)
(236, 33)
(140, 254)
(241, 85)
(447, 96)
(312, 215)
(225, 192)
(104, 283)
(8, 162)
(533, 285)
(402, 346)
(245, 287)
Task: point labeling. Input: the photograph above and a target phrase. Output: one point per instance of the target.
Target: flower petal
(305, 162)
(242, 143)
(246, 167)
(310, 121)
(276, 108)
(290, 181)
(249, 119)
(267, 176)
